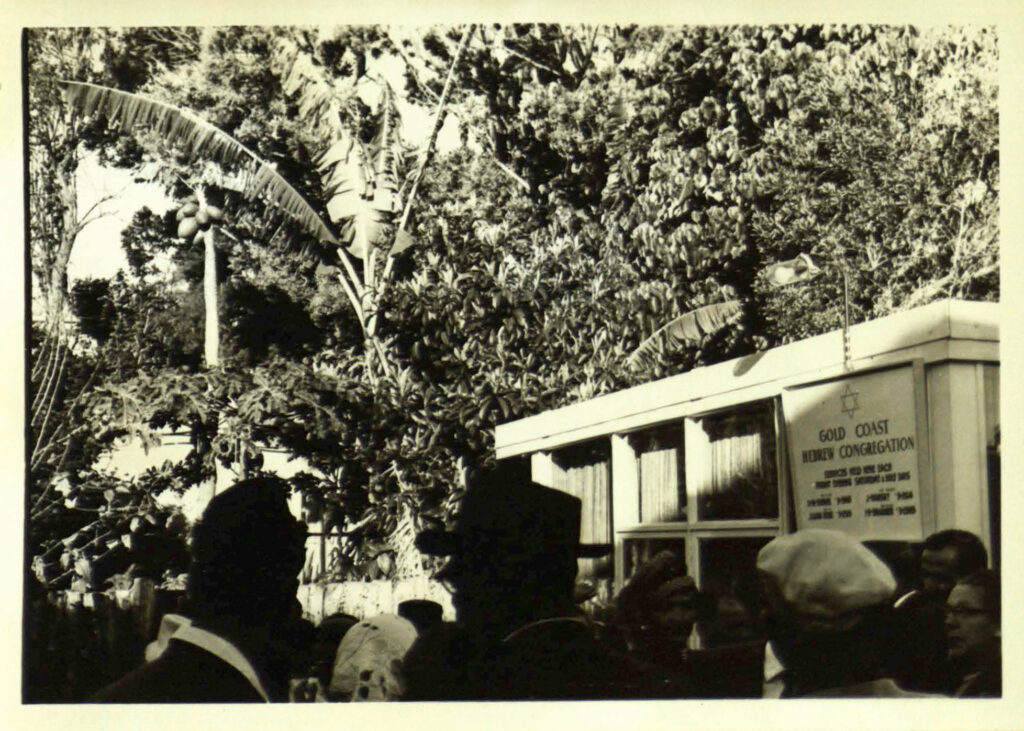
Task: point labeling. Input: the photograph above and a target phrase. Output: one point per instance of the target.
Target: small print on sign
(854, 455)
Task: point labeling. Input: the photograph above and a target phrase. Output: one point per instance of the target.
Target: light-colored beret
(825, 574)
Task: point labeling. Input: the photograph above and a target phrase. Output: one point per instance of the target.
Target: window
(638, 551)
(732, 464)
(583, 471)
(708, 488)
(661, 474)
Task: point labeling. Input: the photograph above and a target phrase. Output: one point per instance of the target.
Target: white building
(898, 443)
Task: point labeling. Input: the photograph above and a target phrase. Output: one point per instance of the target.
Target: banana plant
(361, 180)
(256, 180)
(688, 328)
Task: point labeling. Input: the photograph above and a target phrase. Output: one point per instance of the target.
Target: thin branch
(52, 402)
(512, 174)
(384, 364)
(408, 64)
(84, 220)
(368, 276)
(357, 285)
(44, 350)
(538, 64)
(438, 121)
(353, 300)
(44, 383)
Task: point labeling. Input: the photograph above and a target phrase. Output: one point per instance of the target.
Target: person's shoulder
(734, 670)
(878, 688)
(184, 673)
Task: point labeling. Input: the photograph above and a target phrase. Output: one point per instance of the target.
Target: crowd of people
(829, 620)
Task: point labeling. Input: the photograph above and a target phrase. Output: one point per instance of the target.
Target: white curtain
(662, 497)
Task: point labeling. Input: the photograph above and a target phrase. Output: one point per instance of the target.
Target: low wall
(367, 598)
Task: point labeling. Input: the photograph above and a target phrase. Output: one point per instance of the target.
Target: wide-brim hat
(514, 518)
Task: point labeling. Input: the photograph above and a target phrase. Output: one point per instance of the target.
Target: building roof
(946, 330)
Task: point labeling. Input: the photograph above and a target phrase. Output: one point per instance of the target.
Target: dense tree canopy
(608, 180)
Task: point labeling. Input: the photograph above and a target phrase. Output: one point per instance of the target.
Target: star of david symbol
(849, 399)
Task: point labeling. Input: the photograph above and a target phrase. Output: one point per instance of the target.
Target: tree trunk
(212, 334)
(57, 284)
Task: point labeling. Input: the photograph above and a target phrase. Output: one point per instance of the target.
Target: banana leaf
(201, 139)
(361, 181)
(690, 327)
(361, 201)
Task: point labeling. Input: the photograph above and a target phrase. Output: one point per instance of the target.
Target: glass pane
(731, 468)
(662, 484)
(728, 575)
(638, 551)
(584, 471)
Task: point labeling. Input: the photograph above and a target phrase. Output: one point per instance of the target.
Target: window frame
(693, 531)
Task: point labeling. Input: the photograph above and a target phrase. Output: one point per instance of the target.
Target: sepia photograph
(512, 360)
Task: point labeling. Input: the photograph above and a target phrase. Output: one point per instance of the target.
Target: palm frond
(200, 138)
(690, 327)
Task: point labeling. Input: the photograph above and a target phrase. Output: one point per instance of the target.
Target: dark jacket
(728, 671)
(986, 683)
(919, 657)
(561, 658)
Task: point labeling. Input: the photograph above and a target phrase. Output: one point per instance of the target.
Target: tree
(888, 167)
(172, 125)
(610, 181)
(64, 366)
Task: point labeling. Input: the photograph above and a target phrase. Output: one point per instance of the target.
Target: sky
(97, 252)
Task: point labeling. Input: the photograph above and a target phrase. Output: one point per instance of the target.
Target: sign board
(856, 453)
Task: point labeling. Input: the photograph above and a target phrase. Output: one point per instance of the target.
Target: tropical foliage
(601, 220)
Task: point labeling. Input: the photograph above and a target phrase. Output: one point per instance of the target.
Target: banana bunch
(194, 220)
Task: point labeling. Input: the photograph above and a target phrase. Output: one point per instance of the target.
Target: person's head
(973, 619)
(513, 553)
(247, 551)
(423, 613)
(947, 556)
(727, 621)
(368, 664)
(828, 598)
(329, 634)
(673, 608)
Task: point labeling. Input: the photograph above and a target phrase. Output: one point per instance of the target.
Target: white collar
(773, 667)
(184, 630)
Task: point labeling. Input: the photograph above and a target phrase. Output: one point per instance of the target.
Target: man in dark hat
(511, 570)
(247, 551)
